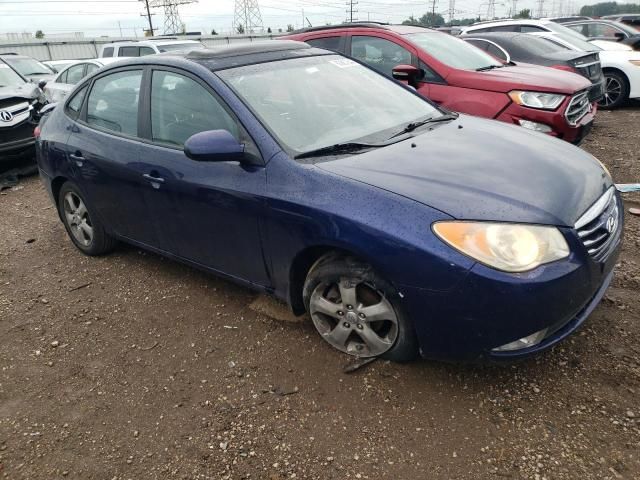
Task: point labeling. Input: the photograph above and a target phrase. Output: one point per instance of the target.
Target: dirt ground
(133, 367)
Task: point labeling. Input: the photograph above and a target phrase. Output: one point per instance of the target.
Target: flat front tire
(356, 311)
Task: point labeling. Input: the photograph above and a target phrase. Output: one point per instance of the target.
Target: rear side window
(107, 52)
(75, 74)
(328, 43)
(91, 68)
(146, 51)
(129, 52)
(113, 102)
(75, 103)
(531, 28)
(380, 54)
(181, 107)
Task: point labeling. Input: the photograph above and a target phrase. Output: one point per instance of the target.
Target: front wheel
(616, 91)
(358, 312)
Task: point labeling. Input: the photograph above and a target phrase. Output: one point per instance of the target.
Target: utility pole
(433, 12)
(148, 15)
(351, 10)
(540, 9)
(452, 10)
(514, 8)
(491, 10)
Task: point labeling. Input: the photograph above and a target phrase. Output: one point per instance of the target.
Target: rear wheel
(616, 90)
(358, 312)
(82, 225)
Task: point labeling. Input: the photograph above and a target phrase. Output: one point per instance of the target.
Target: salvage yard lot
(134, 366)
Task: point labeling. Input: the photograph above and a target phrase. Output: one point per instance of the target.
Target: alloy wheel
(78, 220)
(354, 317)
(613, 90)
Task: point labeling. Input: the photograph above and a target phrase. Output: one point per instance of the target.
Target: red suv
(464, 78)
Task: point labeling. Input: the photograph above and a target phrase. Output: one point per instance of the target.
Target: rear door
(57, 91)
(104, 148)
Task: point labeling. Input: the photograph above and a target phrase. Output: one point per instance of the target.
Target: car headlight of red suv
(544, 101)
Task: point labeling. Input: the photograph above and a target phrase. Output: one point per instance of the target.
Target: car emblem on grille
(611, 224)
(5, 116)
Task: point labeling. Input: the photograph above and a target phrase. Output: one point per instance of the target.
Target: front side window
(380, 54)
(113, 102)
(146, 51)
(75, 74)
(452, 51)
(181, 107)
(107, 52)
(328, 43)
(602, 30)
(314, 102)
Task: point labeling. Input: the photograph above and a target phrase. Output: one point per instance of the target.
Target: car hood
(477, 169)
(523, 76)
(38, 77)
(28, 91)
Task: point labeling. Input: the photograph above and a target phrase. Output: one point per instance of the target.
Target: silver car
(57, 89)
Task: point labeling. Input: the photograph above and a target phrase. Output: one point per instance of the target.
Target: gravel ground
(132, 367)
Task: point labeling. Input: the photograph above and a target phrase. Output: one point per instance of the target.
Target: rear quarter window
(328, 43)
(107, 52)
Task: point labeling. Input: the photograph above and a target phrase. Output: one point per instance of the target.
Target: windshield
(9, 78)
(453, 52)
(571, 36)
(28, 66)
(315, 102)
(180, 46)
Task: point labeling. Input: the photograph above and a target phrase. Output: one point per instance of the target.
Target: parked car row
(467, 79)
(401, 227)
(620, 63)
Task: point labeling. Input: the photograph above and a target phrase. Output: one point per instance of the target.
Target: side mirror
(42, 84)
(214, 146)
(619, 36)
(406, 73)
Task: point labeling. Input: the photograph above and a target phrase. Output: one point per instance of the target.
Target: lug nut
(346, 325)
(340, 313)
(361, 315)
(349, 307)
(360, 327)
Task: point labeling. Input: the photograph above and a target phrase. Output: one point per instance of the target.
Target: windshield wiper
(488, 67)
(339, 148)
(413, 125)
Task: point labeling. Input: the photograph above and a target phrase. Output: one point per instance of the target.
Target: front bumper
(555, 120)
(491, 308)
(17, 141)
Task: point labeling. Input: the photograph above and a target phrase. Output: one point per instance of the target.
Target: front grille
(598, 228)
(578, 107)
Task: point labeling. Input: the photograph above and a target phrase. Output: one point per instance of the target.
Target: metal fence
(77, 49)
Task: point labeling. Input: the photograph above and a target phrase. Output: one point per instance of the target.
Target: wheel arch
(619, 72)
(302, 264)
(56, 186)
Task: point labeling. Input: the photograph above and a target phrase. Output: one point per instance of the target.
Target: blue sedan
(400, 228)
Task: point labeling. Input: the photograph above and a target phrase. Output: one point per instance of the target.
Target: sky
(123, 17)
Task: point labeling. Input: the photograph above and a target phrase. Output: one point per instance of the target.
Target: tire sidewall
(331, 269)
(95, 247)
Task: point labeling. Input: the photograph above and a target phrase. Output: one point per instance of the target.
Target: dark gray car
(607, 30)
(525, 48)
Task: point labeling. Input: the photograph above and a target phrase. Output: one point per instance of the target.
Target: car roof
(163, 41)
(497, 35)
(523, 21)
(400, 29)
(221, 58)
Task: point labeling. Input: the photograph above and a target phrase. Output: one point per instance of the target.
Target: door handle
(155, 181)
(78, 158)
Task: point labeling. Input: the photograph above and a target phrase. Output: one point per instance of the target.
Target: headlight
(509, 247)
(545, 101)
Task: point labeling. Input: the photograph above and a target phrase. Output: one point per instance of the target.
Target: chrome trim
(19, 113)
(581, 106)
(586, 64)
(596, 209)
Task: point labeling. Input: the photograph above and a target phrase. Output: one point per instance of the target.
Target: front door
(208, 212)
